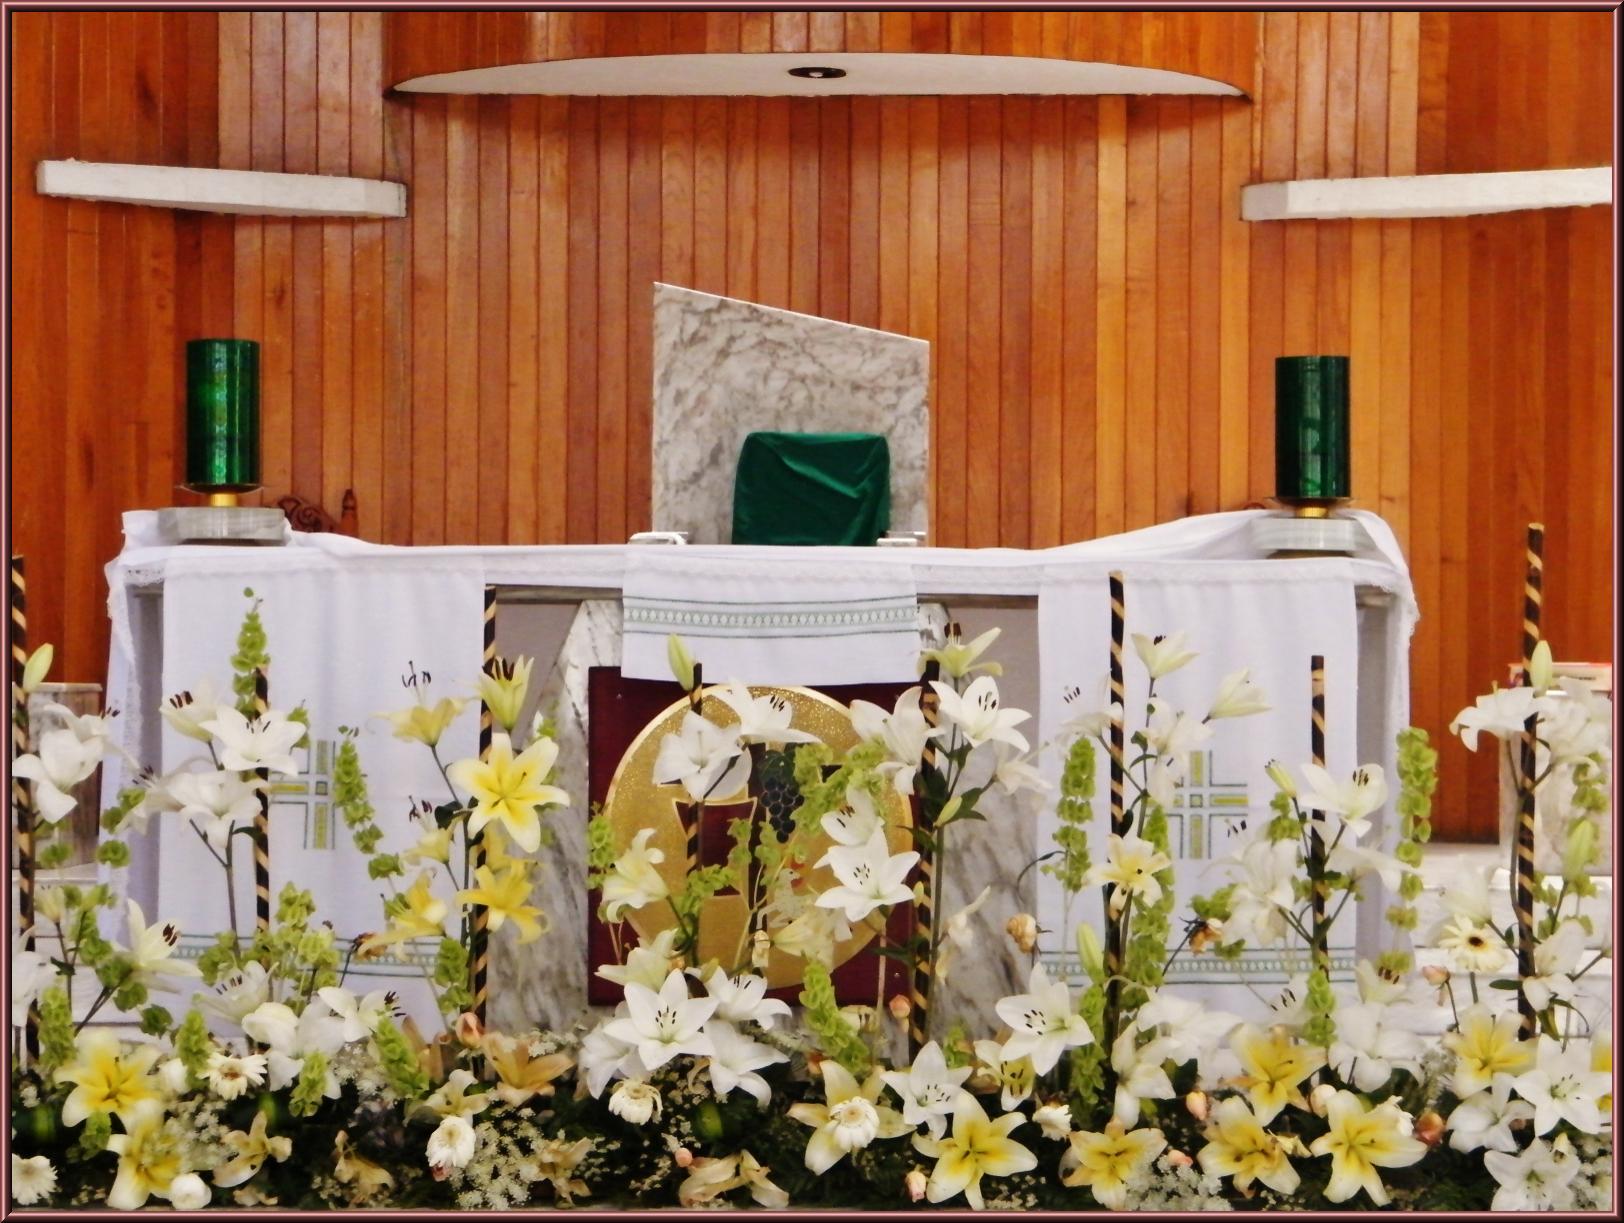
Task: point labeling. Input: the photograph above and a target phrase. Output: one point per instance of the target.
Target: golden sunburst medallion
(635, 801)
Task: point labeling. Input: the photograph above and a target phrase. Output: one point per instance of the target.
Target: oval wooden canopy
(1219, 46)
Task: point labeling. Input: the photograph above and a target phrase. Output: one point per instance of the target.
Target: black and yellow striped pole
(925, 906)
(479, 951)
(1119, 809)
(1523, 863)
(1319, 897)
(262, 818)
(21, 801)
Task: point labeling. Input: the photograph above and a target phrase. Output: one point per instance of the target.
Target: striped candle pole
(1316, 844)
(262, 817)
(925, 906)
(691, 812)
(1119, 810)
(479, 953)
(1523, 863)
(20, 799)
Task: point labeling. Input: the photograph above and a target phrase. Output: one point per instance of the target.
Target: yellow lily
(1601, 1061)
(1238, 1146)
(252, 1150)
(1485, 1046)
(1131, 867)
(1104, 1163)
(521, 1075)
(366, 1177)
(958, 657)
(503, 689)
(107, 1080)
(433, 846)
(424, 724)
(504, 897)
(976, 1147)
(420, 914)
(1274, 1066)
(1359, 1141)
(509, 789)
(148, 1161)
(850, 1118)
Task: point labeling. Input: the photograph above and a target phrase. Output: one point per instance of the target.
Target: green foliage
(698, 888)
(155, 1021)
(306, 1097)
(600, 846)
(129, 799)
(399, 1064)
(93, 1138)
(1147, 942)
(55, 854)
(1088, 1062)
(1321, 1004)
(384, 866)
(1418, 778)
(451, 976)
(220, 960)
(1076, 811)
(250, 656)
(192, 1043)
(823, 1017)
(110, 853)
(1216, 907)
(55, 1029)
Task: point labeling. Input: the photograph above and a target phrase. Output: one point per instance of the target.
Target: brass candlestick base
(225, 499)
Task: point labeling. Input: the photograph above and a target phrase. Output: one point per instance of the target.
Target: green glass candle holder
(222, 418)
(1312, 459)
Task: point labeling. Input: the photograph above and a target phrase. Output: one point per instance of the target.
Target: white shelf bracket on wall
(253, 192)
(1426, 195)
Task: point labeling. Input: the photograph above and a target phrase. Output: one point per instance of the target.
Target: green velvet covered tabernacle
(812, 488)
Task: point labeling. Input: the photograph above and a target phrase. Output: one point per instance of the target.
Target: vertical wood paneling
(1103, 325)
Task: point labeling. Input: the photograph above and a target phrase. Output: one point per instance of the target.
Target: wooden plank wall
(1103, 325)
(102, 298)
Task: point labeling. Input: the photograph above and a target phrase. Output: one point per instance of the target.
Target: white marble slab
(724, 368)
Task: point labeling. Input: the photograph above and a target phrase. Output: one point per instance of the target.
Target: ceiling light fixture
(815, 72)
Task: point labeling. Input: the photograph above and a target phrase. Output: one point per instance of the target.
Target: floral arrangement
(1467, 1084)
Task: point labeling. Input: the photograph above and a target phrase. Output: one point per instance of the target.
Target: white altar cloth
(1165, 567)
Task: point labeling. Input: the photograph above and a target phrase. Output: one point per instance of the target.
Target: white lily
(1369, 1046)
(602, 1057)
(1562, 1086)
(1131, 866)
(734, 1060)
(1353, 800)
(187, 711)
(958, 657)
(870, 876)
(1468, 896)
(856, 822)
(633, 881)
(978, 714)
(1263, 895)
(762, 719)
(31, 975)
(1485, 1119)
(648, 966)
(904, 733)
(743, 999)
(1094, 719)
(267, 742)
(1238, 697)
(1574, 730)
(662, 1025)
(1357, 861)
(1141, 1074)
(705, 759)
(1191, 1029)
(156, 800)
(1043, 1022)
(1535, 1179)
(291, 1038)
(1014, 1072)
(1017, 773)
(958, 935)
(61, 763)
(1162, 655)
(239, 994)
(1173, 734)
(927, 1089)
(812, 934)
(92, 729)
(360, 1017)
(1555, 959)
(216, 802)
(1501, 713)
(152, 950)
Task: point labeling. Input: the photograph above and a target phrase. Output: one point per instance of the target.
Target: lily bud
(38, 667)
(915, 1182)
(1429, 1128)
(680, 661)
(470, 1031)
(1179, 1159)
(1090, 952)
(1281, 776)
(1197, 1105)
(1540, 668)
(761, 946)
(1436, 975)
(682, 1155)
(900, 1007)
(1023, 929)
(814, 1060)
(1320, 1099)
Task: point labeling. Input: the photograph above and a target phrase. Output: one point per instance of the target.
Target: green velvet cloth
(812, 488)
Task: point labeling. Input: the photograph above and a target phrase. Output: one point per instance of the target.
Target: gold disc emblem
(635, 802)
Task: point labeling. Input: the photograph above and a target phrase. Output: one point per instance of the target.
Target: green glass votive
(222, 416)
(1311, 431)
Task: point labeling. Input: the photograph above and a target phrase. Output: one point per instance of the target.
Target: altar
(416, 613)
